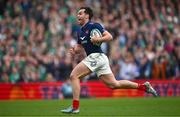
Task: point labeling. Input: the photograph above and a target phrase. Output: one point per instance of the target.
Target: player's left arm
(106, 36)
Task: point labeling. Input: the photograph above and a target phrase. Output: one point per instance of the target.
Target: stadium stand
(35, 36)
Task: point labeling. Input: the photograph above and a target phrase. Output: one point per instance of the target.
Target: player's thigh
(108, 79)
(80, 71)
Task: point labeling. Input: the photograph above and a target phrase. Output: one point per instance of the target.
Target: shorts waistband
(95, 55)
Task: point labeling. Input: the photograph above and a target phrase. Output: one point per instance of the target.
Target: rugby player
(96, 61)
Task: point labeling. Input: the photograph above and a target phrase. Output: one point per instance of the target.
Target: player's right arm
(77, 49)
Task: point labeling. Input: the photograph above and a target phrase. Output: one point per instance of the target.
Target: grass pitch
(106, 107)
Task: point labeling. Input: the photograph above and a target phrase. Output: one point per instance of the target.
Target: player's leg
(105, 74)
(111, 82)
(78, 72)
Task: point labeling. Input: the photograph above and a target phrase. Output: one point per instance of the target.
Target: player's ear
(87, 16)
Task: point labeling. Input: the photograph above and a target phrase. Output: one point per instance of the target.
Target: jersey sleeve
(99, 27)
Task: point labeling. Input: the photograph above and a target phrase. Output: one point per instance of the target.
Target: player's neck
(86, 21)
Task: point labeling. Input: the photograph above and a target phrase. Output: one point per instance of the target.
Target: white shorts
(98, 63)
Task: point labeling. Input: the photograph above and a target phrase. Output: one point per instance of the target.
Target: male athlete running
(96, 61)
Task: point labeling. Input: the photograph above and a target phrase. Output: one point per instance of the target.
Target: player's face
(82, 17)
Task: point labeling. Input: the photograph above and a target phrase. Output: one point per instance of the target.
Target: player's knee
(72, 77)
(113, 85)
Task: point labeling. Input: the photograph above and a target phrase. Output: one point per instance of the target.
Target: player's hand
(95, 40)
(72, 51)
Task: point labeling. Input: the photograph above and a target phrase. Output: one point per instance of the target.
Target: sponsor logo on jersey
(82, 38)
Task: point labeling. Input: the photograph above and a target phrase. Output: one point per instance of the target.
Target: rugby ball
(95, 32)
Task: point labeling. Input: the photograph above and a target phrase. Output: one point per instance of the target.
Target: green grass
(140, 107)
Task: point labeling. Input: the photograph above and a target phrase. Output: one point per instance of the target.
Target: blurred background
(35, 36)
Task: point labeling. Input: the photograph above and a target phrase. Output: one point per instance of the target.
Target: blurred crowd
(35, 36)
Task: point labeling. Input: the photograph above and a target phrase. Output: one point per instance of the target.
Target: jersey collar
(85, 26)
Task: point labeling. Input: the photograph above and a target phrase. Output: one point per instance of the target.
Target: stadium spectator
(66, 89)
(128, 68)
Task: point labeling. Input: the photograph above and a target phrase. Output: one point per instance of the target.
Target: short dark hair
(88, 11)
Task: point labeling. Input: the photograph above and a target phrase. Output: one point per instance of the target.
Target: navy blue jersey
(85, 40)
